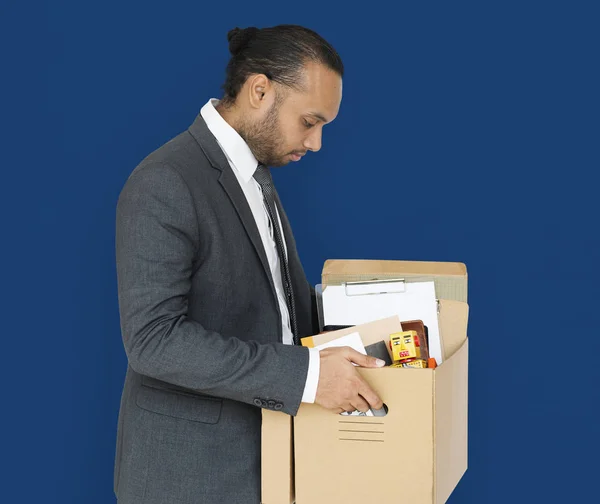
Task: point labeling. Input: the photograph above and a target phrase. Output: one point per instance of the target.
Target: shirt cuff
(312, 377)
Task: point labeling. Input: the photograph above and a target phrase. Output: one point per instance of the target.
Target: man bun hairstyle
(238, 39)
(279, 52)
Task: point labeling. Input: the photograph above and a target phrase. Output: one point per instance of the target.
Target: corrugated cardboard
(277, 458)
(417, 453)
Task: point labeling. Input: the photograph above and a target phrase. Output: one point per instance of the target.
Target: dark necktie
(263, 176)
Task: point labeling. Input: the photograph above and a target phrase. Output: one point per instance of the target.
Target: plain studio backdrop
(468, 132)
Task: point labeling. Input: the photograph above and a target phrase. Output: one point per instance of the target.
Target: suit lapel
(238, 199)
(228, 181)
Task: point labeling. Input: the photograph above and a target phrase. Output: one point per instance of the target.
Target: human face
(294, 122)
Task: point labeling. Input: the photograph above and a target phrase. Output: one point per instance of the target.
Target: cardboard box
(417, 453)
(277, 458)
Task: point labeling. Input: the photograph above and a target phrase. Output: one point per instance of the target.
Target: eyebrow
(318, 116)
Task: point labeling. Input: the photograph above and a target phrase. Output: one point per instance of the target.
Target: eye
(307, 124)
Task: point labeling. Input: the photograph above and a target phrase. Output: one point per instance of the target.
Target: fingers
(346, 409)
(357, 403)
(363, 360)
(360, 404)
(369, 395)
(341, 387)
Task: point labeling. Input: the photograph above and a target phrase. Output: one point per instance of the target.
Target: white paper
(352, 340)
(417, 302)
(357, 413)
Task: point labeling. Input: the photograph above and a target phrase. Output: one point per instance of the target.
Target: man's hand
(341, 387)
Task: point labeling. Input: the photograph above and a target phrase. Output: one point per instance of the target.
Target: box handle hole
(380, 412)
(376, 413)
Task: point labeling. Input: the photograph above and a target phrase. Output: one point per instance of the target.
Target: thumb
(364, 360)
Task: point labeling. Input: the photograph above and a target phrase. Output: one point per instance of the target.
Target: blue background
(468, 132)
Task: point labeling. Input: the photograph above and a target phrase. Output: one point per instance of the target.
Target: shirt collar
(233, 145)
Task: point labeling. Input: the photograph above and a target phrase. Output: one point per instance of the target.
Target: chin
(280, 162)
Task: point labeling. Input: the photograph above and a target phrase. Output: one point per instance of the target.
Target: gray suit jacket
(201, 328)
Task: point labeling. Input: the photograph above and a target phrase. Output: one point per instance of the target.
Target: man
(213, 297)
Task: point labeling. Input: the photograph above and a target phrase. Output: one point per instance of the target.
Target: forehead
(322, 93)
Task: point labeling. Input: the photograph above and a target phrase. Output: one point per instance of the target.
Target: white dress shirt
(244, 164)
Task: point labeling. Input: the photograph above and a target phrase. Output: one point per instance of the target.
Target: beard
(265, 139)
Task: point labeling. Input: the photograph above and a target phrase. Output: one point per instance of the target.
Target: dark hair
(279, 52)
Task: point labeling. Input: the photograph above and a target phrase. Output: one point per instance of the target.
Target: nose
(313, 141)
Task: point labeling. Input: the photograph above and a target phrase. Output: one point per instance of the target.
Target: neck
(229, 114)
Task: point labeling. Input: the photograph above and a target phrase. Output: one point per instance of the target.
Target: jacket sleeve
(157, 235)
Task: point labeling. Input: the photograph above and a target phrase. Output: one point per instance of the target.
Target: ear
(261, 93)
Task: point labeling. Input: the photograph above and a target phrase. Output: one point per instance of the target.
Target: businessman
(213, 297)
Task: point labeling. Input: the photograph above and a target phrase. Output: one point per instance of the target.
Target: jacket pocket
(178, 405)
